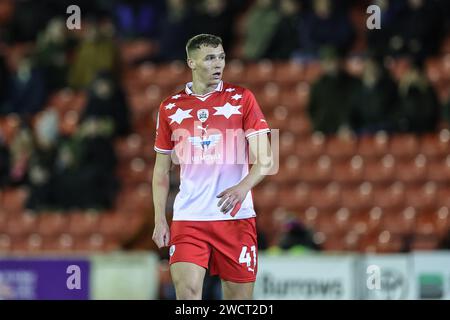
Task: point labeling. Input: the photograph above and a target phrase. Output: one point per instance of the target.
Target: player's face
(208, 63)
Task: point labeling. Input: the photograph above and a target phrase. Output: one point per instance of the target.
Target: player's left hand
(232, 198)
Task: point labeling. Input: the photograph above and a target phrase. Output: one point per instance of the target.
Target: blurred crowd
(39, 56)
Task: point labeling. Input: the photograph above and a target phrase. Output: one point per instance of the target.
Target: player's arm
(160, 186)
(262, 159)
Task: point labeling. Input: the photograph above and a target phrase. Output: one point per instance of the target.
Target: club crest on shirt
(172, 250)
(202, 115)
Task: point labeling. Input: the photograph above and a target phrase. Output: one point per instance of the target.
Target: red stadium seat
(135, 172)
(267, 195)
(381, 242)
(404, 146)
(295, 97)
(309, 217)
(412, 171)
(290, 170)
(4, 216)
(439, 170)
(23, 224)
(341, 147)
(366, 222)
(421, 242)
(422, 197)
(328, 198)
(349, 172)
(269, 96)
(176, 72)
(296, 197)
(129, 147)
(318, 171)
(443, 199)
(358, 199)
(339, 242)
(435, 222)
(299, 125)
(5, 243)
(135, 199)
(289, 72)
(375, 146)
(234, 72)
(382, 171)
(96, 243)
(399, 222)
(32, 244)
(313, 71)
(58, 244)
(259, 72)
(278, 117)
(13, 200)
(52, 224)
(287, 143)
(390, 198)
(312, 147)
(83, 222)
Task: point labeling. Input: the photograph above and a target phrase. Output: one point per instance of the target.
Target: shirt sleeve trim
(165, 151)
(254, 133)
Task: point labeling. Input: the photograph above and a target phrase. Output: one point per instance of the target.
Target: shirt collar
(189, 90)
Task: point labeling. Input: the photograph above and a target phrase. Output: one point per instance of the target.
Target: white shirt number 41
(246, 258)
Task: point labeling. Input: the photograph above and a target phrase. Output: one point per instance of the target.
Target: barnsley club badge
(202, 115)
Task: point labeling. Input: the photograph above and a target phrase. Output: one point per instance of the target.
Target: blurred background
(363, 116)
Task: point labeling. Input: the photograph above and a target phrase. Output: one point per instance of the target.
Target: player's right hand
(161, 234)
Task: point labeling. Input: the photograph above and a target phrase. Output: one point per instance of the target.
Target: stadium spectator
(418, 107)
(261, 24)
(215, 17)
(137, 18)
(86, 168)
(417, 30)
(326, 25)
(445, 113)
(106, 100)
(97, 52)
(330, 98)
(285, 39)
(378, 38)
(4, 161)
(27, 89)
(374, 98)
(290, 234)
(41, 164)
(4, 81)
(20, 150)
(52, 50)
(176, 28)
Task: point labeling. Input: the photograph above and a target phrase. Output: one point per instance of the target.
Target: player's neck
(199, 87)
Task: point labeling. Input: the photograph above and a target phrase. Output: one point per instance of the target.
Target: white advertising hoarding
(305, 277)
(130, 276)
(386, 277)
(432, 274)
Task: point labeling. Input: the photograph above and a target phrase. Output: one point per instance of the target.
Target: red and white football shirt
(207, 135)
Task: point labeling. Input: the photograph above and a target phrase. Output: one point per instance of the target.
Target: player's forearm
(256, 174)
(160, 185)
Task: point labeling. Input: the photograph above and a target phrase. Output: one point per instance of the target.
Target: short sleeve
(254, 121)
(163, 141)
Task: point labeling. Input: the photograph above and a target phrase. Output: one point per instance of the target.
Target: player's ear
(191, 63)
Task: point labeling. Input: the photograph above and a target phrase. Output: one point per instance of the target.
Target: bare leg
(237, 291)
(188, 280)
